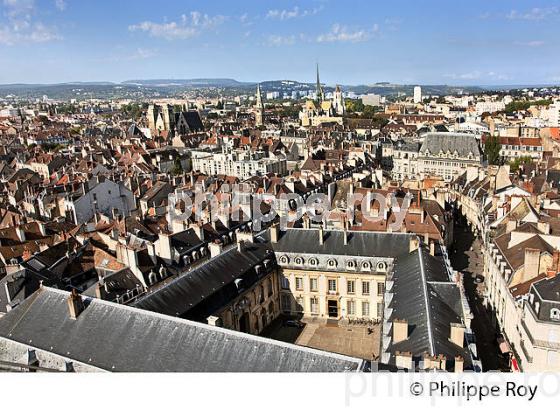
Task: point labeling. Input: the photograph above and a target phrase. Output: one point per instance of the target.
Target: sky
(475, 42)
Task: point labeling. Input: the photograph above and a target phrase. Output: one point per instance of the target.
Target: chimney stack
(414, 243)
(457, 335)
(75, 304)
(531, 265)
(215, 248)
(400, 330)
(321, 236)
(403, 360)
(274, 233)
(433, 248)
(459, 362)
(240, 246)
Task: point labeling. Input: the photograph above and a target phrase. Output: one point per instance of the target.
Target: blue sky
(355, 42)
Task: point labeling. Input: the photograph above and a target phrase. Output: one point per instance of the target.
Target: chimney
(532, 264)
(240, 246)
(345, 235)
(20, 233)
(433, 248)
(403, 360)
(198, 230)
(165, 252)
(543, 227)
(75, 304)
(457, 335)
(459, 364)
(414, 244)
(274, 233)
(321, 236)
(215, 248)
(400, 330)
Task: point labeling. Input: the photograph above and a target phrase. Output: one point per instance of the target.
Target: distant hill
(194, 82)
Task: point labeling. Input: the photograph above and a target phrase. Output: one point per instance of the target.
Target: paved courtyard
(355, 341)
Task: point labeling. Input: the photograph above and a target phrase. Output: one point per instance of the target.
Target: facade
(239, 163)
(540, 327)
(448, 154)
(105, 197)
(324, 275)
(417, 94)
(405, 161)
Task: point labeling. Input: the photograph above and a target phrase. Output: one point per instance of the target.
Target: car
(294, 323)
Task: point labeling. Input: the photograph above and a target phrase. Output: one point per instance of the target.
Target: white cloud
(532, 43)
(60, 4)
(188, 26)
(275, 40)
(21, 26)
(340, 33)
(534, 14)
(296, 12)
(478, 75)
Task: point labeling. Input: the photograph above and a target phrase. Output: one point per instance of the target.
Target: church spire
(259, 108)
(319, 91)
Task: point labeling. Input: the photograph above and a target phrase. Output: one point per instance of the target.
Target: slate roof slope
(424, 296)
(191, 289)
(117, 338)
(360, 243)
(447, 141)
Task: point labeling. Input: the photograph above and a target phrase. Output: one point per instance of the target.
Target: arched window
(555, 314)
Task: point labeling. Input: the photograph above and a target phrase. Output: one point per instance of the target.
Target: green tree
(492, 150)
(517, 162)
(177, 167)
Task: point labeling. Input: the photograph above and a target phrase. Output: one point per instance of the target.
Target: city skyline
(56, 41)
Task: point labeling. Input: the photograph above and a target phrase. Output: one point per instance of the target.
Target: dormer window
(284, 259)
(313, 262)
(331, 263)
(350, 264)
(554, 314)
(366, 266)
(381, 266)
(299, 260)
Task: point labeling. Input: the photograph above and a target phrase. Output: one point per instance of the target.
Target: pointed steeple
(259, 108)
(319, 91)
(259, 102)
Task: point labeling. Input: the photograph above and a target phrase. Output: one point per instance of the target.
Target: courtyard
(329, 335)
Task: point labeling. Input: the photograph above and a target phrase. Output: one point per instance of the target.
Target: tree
(492, 150)
(177, 167)
(517, 162)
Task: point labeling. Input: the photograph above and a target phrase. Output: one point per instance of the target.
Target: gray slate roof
(424, 296)
(360, 243)
(117, 338)
(448, 141)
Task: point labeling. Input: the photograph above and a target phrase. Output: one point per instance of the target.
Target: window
(299, 283)
(314, 305)
(555, 314)
(351, 307)
(365, 288)
(365, 308)
(286, 303)
(379, 310)
(380, 288)
(313, 284)
(351, 286)
(332, 285)
(299, 304)
(285, 283)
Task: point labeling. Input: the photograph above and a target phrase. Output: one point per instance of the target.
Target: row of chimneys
(404, 359)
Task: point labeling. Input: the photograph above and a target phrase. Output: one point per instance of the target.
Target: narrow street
(466, 257)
